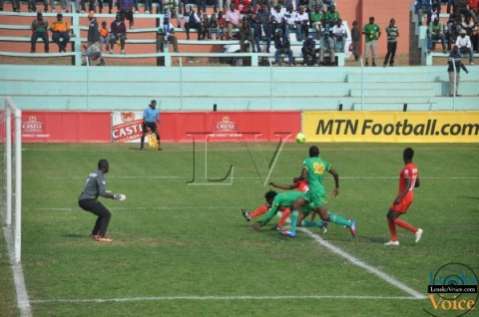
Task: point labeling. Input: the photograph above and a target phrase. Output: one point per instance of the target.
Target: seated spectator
(32, 5)
(166, 35)
(213, 26)
(222, 25)
(331, 17)
(463, 43)
(309, 51)
(289, 18)
(283, 47)
(470, 26)
(192, 21)
(39, 30)
(126, 10)
(204, 31)
(326, 44)
(302, 24)
(104, 33)
(233, 19)
(60, 33)
(15, 5)
(315, 19)
(118, 33)
(246, 36)
(340, 34)
(436, 30)
(92, 53)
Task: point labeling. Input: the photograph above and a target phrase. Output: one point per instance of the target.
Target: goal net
(11, 175)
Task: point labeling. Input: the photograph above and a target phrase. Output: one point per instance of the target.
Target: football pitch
(182, 249)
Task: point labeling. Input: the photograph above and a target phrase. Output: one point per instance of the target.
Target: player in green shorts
(313, 171)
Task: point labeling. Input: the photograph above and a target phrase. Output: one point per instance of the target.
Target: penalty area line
(217, 298)
(371, 269)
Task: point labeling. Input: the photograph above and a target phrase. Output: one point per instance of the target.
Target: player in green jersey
(314, 170)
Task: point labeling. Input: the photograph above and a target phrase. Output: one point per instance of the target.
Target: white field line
(136, 208)
(188, 178)
(23, 301)
(217, 298)
(357, 262)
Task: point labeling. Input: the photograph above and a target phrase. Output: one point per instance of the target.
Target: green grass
(7, 291)
(173, 239)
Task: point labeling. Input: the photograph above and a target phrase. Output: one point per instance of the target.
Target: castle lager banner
(323, 126)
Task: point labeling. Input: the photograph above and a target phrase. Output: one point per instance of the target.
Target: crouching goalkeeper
(95, 186)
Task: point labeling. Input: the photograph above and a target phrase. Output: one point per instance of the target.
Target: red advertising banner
(66, 127)
(217, 126)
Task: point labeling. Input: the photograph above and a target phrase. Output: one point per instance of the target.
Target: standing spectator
(277, 18)
(192, 21)
(264, 27)
(356, 39)
(282, 45)
(339, 35)
(150, 118)
(204, 31)
(110, 5)
(436, 30)
(126, 10)
(213, 26)
(289, 21)
(246, 36)
(166, 35)
(93, 32)
(104, 33)
(392, 32)
(95, 187)
(118, 33)
(454, 68)
(60, 33)
(372, 33)
(464, 45)
(316, 18)
(327, 44)
(39, 30)
(309, 51)
(452, 31)
(302, 24)
(233, 19)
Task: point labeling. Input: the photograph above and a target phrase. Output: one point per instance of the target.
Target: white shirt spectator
(464, 41)
(339, 31)
(233, 17)
(278, 16)
(302, 17)
(290, 17)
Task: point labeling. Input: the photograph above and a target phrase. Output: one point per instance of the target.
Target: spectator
(148, 6)
(464, 45)
(392, 32)
(255, 28)
(356, 39)
(340, 34)
(372, 33)
(192, 22)
(166, 34)
(118, 33)
(60, 33)
(32, 5)
(470, 26)
(15, 5)
(309, 51)
(221, 25)
(327, 44)
(39, 30)
(126, 10)
(110, 5)
(315, 18)
(213, 26)
(289, 21)
(454, 68)
(204, 31)
(452, 31)
(104, 33)
(264, 26)
(283, 47)
(92, 53)
(436, 30)
(302, 24)
(331, 17)
(93, 32)
(233, 19)
(246, 36)
(277, 18)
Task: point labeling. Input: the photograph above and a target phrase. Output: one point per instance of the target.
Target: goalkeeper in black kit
(95, 186)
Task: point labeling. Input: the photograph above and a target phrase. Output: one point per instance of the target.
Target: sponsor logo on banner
(32, 127)
(225, 127)
(127, 126)
(391, 126)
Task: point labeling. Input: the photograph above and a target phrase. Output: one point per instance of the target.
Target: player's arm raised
(335, 175)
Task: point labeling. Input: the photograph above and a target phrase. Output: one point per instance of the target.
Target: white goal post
(12, 191)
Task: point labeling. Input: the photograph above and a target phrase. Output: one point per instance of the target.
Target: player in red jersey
(298, 184)
(408, 180)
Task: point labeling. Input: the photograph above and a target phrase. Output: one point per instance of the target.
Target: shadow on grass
(470, 197)
(74, 236)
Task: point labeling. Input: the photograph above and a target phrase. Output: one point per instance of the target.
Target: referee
(96, 186)
(150, 116)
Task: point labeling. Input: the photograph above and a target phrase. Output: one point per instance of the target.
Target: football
(300, 137)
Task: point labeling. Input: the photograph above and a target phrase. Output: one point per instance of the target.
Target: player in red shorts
(408, 180)
(298, 184)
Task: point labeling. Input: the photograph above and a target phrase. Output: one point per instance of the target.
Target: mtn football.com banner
(428, 127)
